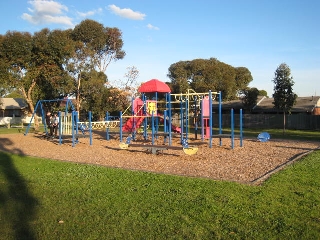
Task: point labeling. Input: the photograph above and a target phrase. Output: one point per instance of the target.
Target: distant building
(304, 105)
(13, 107)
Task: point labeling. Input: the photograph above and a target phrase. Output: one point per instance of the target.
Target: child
(48, 120)
(54, 124)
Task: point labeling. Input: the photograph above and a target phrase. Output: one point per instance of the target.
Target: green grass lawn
(46, 199)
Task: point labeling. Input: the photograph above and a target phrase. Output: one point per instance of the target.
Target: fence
(15, 121)
(294, 122)
(265, 121)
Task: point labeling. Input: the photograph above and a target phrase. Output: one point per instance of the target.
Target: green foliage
(16, 52)
(14, 94)
(284, 97)
(46, 199)
(33, 66)
(203, 75)
(263, 93)
(51, 64)
(96, 47)
(250, 98)
(179, 74)
(243, 77)
(94, 94)
(97, 44)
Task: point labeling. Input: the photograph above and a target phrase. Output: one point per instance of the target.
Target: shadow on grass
(15, 198)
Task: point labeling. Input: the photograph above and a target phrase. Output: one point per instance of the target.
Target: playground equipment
(156, 149)
(191, 108)
(145, 114)
(202, 108)
(198, 104)
(220, 135)
(69, 124)
(263, 137)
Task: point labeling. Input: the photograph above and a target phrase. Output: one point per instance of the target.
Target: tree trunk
(78, 102)
(28, 98)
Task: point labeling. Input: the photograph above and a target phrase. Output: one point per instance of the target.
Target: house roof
(236, 104)
(303, 104)
(264, 104)
(12, 103)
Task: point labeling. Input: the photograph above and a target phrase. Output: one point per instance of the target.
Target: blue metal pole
(60, 128)
(170, 119)
(74, 127)
(43, 119)
(210, 118)
(145, 122)
(187, 116)
(195, 119)
(156, 113)
(232, 129)
(241, 133)
(220, 117)
(181, 120)
(90, 126)
(120, 126)
(34, 112)
(165, 125)
(152, 127)
(107, 128)
(133, 130)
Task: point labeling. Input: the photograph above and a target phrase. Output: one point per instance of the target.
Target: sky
(258, 35)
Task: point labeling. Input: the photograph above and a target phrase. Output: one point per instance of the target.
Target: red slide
(132, 124)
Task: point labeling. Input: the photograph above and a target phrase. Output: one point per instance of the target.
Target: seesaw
(155, 149)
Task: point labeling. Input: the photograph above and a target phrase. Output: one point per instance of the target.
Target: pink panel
(138, 106)
(205, 107)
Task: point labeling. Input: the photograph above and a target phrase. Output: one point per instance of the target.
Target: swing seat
(123, 145)
(191, 150)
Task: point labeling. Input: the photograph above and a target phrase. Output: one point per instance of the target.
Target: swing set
(69, 125)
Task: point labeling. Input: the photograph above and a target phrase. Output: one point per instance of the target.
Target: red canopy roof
(154, 85)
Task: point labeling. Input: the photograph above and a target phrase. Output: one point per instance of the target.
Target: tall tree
(16, 54)
(243, 77)
(96, 47)
(263, 93)
(50, 53)
(33, 65)
(250, 96)
(284, 97)
(203, 75)
(129, 83)
(227, 84)
(94, 94)
(4, 87)
(180, 75)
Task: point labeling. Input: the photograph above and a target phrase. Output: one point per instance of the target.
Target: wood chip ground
(248, 164)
